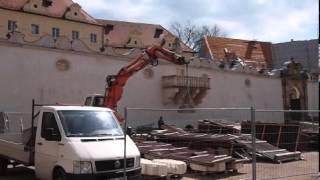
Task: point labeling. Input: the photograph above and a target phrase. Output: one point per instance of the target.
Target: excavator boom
(116, 83)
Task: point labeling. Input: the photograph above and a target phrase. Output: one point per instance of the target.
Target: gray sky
(265, 20)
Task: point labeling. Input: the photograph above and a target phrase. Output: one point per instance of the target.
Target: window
(88, 101)
(12, 25)
(93, 38)
(89, 123)
(75, 35)
(55, 32)
(108, 28)
(46, 3)
(158, 33)
(49, 123)
(34, 29)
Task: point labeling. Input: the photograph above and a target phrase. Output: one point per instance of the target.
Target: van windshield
(89, 123)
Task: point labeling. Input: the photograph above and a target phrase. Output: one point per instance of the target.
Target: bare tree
(192, 34)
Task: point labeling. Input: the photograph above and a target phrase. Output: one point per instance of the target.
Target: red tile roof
(250, 51)
(57, 9)
(13, 4)
(144, 33)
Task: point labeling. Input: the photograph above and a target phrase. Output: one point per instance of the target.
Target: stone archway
(295, 103)
(294, 87)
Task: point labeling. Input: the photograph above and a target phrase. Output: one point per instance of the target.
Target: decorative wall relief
(63, 65)
(63, 43)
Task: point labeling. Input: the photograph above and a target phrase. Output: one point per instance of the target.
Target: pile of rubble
(206, 152)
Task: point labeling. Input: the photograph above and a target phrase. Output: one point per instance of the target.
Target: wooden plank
(276, 150)
(298, 139)
(287, 153)
(249, 142)
(264, 128)
(279, 136)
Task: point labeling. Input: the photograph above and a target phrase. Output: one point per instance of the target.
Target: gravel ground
(288, 170)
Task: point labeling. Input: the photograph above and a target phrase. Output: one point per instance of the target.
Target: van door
(47, 149)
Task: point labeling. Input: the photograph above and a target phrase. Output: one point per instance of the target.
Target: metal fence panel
(264, 134)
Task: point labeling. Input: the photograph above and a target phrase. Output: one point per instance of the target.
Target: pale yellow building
(55, 24)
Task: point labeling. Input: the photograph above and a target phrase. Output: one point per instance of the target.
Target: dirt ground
(307, 169)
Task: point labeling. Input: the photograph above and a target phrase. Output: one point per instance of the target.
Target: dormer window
(158, 32)
(47, 3)
(108, 28)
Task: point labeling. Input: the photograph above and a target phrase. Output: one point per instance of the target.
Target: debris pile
(284, 136)
(218, 127)
(206, 152)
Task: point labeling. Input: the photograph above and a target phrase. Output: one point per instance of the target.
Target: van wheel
(59, 174)
(3, 166)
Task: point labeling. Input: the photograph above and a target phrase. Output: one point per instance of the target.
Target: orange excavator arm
(117, 82)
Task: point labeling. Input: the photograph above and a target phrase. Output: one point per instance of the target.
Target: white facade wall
(30, 72)
(313, 95)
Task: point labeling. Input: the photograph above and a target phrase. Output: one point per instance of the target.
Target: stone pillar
(294, 88)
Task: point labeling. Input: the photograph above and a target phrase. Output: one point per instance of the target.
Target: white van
(73, 142)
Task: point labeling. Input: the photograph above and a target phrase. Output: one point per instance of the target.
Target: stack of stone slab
(203, 161)
(237, 146)
(162, 167)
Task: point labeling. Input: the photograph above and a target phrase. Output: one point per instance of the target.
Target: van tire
(3, 166)
(59, 174)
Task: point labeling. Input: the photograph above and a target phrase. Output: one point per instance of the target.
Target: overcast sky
(265, 20)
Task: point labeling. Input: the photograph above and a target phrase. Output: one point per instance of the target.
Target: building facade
(49, 53)
(303, 52)
(53, 24)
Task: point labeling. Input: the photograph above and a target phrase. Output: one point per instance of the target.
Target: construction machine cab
(95, 100)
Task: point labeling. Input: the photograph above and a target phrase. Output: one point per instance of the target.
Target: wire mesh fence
(297, 141)
(218, 143)
(14, 122)
(205, 139)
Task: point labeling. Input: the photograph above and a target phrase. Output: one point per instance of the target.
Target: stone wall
(52, 75)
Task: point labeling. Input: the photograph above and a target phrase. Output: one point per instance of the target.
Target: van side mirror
(52, 135)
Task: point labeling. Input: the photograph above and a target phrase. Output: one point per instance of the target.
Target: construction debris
(284, 136)
(174, 166)
(239, 146)
(268, 151)
(149, 168)
(206, 152)
(203, 161)
(217, 127)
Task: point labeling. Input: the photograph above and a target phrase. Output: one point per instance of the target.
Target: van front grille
(110, 165)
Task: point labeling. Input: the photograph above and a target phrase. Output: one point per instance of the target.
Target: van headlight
(82, 167)
(137, 162)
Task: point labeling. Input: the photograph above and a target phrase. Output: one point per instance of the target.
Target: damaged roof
(121, 34)
(250, 51)
(57, 8)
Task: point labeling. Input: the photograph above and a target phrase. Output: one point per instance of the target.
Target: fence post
(125, 144)
(253, 136)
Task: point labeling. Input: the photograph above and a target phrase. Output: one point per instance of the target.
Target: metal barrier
(273, 154)
(15, 122)
(297, 133)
